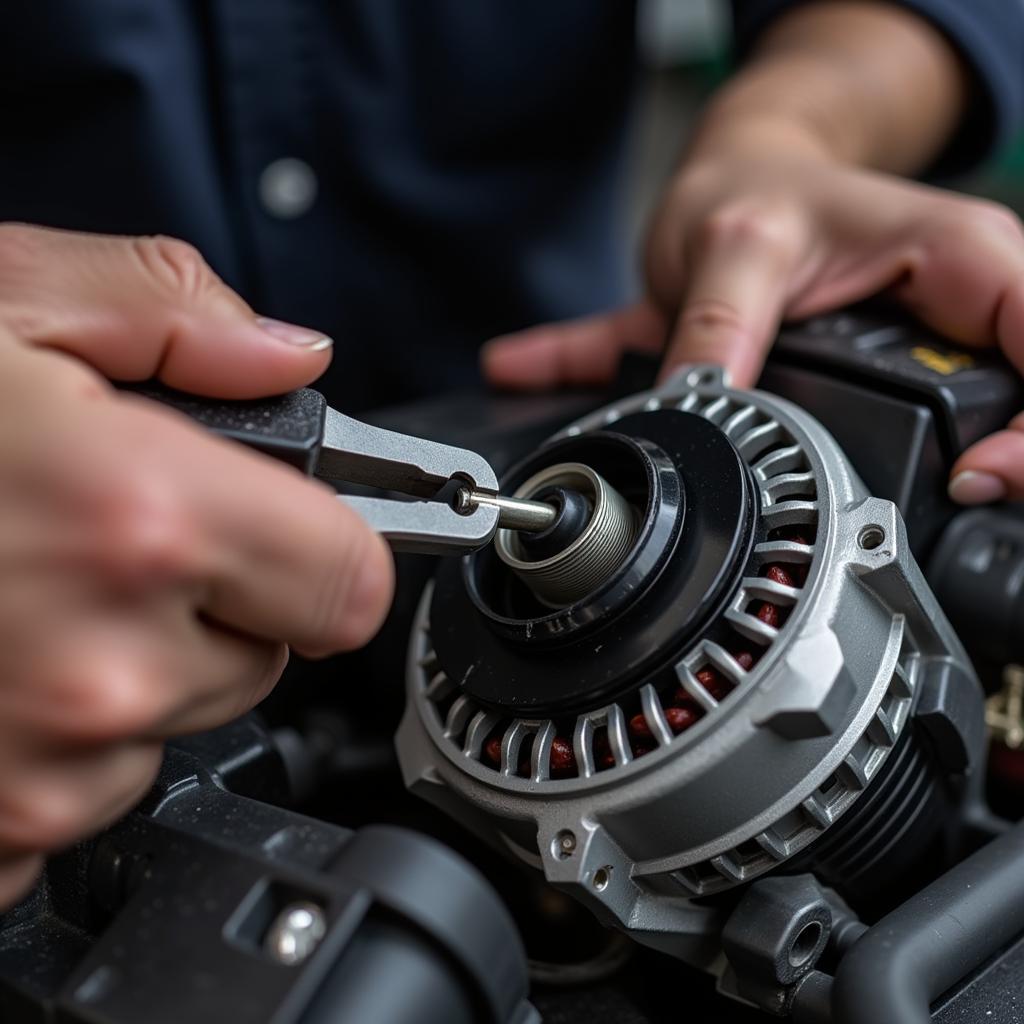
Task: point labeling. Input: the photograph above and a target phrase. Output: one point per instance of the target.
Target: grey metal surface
(360, 453)
(427, 527)
(514, 513)
(768, 769)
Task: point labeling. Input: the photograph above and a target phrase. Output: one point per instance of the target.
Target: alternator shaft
(513, 513)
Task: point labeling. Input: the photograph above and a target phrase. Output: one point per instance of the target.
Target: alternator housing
(794, 735)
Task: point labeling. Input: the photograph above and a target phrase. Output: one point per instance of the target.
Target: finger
(279, 556)
(168, 509)
(308, 571)
(59, 797)
(577, 352)
(992, 469)
(970, 288)
(136, 308)
(734, 299)
(224, 677)
(151, 672)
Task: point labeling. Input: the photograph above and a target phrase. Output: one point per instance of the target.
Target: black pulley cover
(694, 500)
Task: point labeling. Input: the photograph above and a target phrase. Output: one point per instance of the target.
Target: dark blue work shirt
(409, 176)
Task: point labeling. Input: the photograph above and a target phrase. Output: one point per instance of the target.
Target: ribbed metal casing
(770, 766)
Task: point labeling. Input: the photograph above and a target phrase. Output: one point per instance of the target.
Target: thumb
(137, 308)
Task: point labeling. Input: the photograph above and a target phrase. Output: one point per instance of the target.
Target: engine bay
(739, 733)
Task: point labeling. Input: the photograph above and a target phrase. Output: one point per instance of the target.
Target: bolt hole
(602, 876)
(805, 943)
(563, 846)
(871, 537)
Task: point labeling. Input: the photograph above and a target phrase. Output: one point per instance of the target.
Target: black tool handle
(287, 427)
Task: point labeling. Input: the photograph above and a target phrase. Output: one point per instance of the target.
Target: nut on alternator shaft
(596, 550)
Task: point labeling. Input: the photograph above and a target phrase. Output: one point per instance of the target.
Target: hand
(151, 575)
(741, 243)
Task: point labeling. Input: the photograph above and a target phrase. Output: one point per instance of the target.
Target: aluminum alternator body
(775, 754)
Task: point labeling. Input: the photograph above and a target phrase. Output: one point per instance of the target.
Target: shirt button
(287, 188)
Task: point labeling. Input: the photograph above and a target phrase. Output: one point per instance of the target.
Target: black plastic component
(977, 572)
(574, 513)
(950, 713)
(424, 884)
(393, 975)
(775, 935)
(648, 479)
(288, 427)
(991, 995)
(163, 918)
(935, 939)
(879, 346)
(910, 469)
(901, 402)
(509, 653)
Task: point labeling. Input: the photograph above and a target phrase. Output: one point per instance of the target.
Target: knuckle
(107, 701)
(177, 266)
(142, 534)
(978, 219)
(996, 217)
(748, 225)
(710, 316)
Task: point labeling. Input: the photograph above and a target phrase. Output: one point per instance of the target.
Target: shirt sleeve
(989, 34)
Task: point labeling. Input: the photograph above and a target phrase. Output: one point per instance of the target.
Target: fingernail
(292, 334)
(974, 488)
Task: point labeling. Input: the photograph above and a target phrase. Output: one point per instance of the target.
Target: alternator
(735, 687)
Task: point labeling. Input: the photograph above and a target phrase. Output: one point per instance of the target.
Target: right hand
(151, 574)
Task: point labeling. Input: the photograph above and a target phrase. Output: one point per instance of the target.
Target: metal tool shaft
(513, 513)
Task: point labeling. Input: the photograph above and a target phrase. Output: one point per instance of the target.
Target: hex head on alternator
(818, 689)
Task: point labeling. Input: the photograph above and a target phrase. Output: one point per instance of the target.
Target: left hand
(741, 243)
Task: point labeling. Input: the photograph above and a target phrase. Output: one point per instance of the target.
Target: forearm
(864, 82)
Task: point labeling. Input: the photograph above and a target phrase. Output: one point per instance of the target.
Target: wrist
(757, 136)
(861, 83)
(780, 109)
